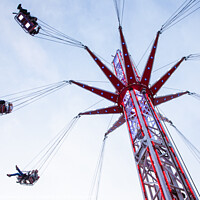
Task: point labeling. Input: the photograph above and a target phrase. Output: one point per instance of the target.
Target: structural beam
(116, 125)
(156, 86)
(148, 69)
(128, 66)
(163, 99)
(105, 94)
(112, 78)
(108, 110)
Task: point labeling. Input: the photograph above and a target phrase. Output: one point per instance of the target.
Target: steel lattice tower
(160, 172)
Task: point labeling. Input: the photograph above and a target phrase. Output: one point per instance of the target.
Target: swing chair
(30, 179)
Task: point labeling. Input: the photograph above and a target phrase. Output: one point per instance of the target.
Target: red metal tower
(160, 172)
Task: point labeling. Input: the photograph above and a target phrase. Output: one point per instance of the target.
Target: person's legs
(16, 174)
(20, 172)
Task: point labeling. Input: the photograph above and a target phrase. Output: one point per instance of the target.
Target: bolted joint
(143, 90)
(85, 47)
(130, 89)
(186, 57)
(70, 81)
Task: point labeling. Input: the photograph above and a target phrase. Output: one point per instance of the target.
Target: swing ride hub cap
(135, 86)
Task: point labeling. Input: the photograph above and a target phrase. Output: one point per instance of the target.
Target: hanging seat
(32, 178)
(5, 107)
(24, 21)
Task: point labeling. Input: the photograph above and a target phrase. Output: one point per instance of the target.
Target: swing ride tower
(160, 171)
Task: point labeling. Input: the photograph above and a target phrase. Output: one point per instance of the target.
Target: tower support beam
(160, 172)
(159, 169)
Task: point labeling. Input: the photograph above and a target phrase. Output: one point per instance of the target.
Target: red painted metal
(113, 79)
(117, 124)
(108, 110)
(147, 71)
(129, 129)
(187, 182)
(137, 113)
(105, 94)
(118, 63)
(154, 169)
(136, 73)
(156, 116)
(156, 86)
(121, 64)
(164, 174)
(142, 182)
(163, 99)
(173, 152)
(128, 66)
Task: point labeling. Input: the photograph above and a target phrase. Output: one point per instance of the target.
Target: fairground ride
(160, 170)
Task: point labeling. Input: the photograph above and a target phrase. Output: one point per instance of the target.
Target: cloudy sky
(27, 62)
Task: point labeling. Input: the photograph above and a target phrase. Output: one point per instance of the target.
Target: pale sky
(27, 62)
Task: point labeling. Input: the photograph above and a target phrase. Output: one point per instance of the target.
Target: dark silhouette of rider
(22, 10)
(20, 175)
(31, 18)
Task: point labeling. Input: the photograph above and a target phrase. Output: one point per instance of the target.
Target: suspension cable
(36, 88)
(191, 147)
(97, 175)
(92, 105)
(59, 32)
(16, 99)
(46, 155)
(37, 97)
(49, 33)
(186, 9)
(122, 11)
(93, 81)
(174, 89)
(119, 5)
(23, 98)
(165, 66)
(57, 144)
(53, 40)
(189, 57)
(193, 57)
(98, 170)
(174, 144)
(195, 95)
(144, 53)
(103, 59)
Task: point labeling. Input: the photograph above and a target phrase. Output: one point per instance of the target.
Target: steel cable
(24, 98)
(50, 150)
(119, 6)
(181, 158)
(57, 36)
(98, 170)
(186, 9)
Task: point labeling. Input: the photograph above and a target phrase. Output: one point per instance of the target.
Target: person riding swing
(26, 21)
(27, 178)
(22, 177)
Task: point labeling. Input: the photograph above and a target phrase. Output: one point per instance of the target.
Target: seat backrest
(24, 22)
